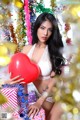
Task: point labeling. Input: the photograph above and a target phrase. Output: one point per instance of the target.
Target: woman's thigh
(53, 109)
(56, 112)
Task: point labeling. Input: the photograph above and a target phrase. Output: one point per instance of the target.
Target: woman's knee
(47, 106)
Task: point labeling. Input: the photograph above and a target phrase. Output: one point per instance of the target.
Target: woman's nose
(46, 32)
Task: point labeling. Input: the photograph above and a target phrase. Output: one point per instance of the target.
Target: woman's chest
(37, 55)
(41, 58)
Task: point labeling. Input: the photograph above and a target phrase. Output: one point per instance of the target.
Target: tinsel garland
(32, 13)
(27, 19)
(11, 28)
(21, 30)
(39, 7)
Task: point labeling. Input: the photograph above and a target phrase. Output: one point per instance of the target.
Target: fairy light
(76, 95)
(69, 34)
(75, 111)
(78, 13)
(47, 4)
(38, 1)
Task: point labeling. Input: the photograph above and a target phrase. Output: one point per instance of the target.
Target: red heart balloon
(21, 65)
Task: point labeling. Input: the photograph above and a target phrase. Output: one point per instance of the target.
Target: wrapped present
(23, 102)
(32, 98)
(16, 116)
(16, 97)
(12, 104)
(11, 95)
(40, 116)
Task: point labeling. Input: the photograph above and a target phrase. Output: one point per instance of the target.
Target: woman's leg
(55, 113)
(53, 110)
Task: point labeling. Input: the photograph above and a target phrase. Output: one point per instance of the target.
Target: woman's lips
(44, 38)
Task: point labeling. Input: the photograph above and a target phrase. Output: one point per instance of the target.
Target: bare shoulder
(26, 49)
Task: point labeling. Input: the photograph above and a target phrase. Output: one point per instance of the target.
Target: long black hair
(54, 42)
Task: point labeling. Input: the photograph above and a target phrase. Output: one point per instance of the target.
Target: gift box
(32, 98)
(40, 116)
(11, 95)
(12, 103)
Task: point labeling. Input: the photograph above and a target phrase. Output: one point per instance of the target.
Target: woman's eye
(42, 27)
(50, 30)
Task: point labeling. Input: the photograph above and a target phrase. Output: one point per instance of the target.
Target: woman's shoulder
(26, 48)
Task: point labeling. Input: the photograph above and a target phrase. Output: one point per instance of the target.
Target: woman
(44, 51)
(45, 48)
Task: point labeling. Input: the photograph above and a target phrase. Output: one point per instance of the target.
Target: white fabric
(44, 63)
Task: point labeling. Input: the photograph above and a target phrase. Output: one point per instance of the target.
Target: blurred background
(17, 18)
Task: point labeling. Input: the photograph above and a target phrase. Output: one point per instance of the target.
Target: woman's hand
(15, 80)
(34, 108)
